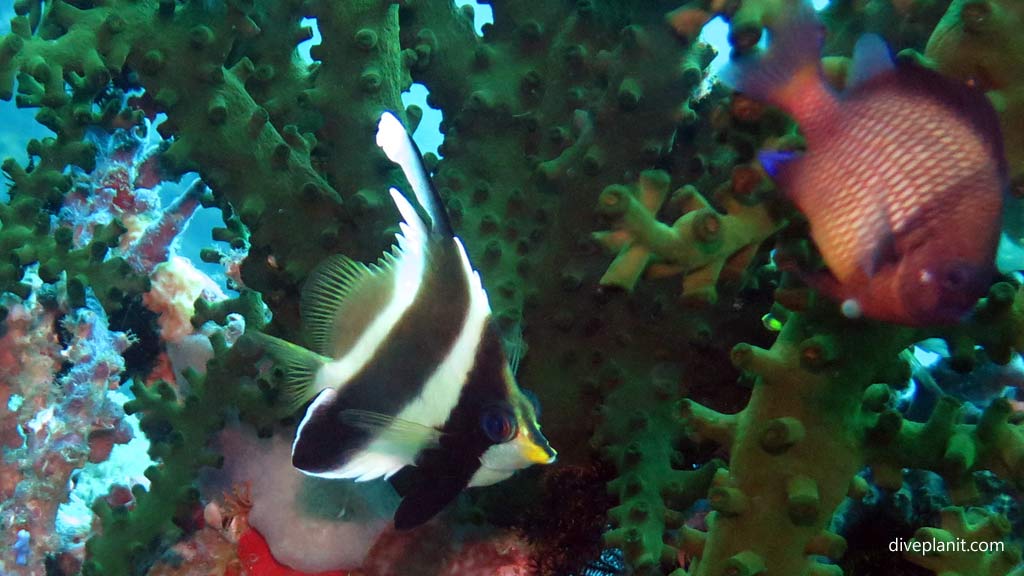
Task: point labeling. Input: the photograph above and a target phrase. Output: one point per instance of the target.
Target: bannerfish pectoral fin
(515, 347)
(301, 368)
(328, 444)
(407, 437)
(871, 58)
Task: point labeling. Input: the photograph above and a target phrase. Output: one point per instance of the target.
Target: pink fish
(902, 182)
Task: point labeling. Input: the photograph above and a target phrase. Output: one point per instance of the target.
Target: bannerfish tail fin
(423, 497)
(400, 148)
(788, 73)
(301, 367)
(871, 58)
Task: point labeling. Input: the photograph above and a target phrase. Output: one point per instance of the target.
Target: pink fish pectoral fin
(875, 241)
(856, 247)
(883, 252)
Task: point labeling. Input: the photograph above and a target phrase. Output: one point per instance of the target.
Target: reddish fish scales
(902, 182)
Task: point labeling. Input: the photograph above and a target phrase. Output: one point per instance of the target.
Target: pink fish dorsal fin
(871, 58)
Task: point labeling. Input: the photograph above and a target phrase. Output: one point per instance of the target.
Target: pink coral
(54, 421)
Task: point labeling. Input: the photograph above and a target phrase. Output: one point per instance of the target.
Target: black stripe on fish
(443, 471)
(394, 376)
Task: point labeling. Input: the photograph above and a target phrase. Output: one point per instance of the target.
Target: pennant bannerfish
(408, 371)
(903, 181)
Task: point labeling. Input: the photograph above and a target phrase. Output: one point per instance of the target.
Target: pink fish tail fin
(790, 67)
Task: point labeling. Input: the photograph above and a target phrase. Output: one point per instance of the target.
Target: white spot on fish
(851, 308)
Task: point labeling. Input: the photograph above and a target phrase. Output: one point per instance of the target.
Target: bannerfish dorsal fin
(400, 148)
(344, 299)
(341, 299)
(871, 58)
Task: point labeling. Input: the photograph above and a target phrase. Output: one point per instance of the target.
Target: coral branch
(700, 244)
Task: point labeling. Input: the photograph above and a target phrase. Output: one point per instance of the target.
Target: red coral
(257, 560)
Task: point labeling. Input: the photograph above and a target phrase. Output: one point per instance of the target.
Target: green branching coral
(567, 126)
(655, 487)
(981, 42)
(822, 395)
(180, 425)
(972, 527)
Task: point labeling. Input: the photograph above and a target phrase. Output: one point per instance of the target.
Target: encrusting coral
(571, 128)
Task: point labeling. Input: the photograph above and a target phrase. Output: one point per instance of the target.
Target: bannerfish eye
(499, 424)
(534, 401)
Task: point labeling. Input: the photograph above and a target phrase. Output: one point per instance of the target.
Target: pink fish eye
(955, 277)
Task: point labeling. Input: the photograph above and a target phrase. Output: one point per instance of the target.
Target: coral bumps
(821, 411)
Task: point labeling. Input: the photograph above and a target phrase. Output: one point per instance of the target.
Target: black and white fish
(408, 370)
